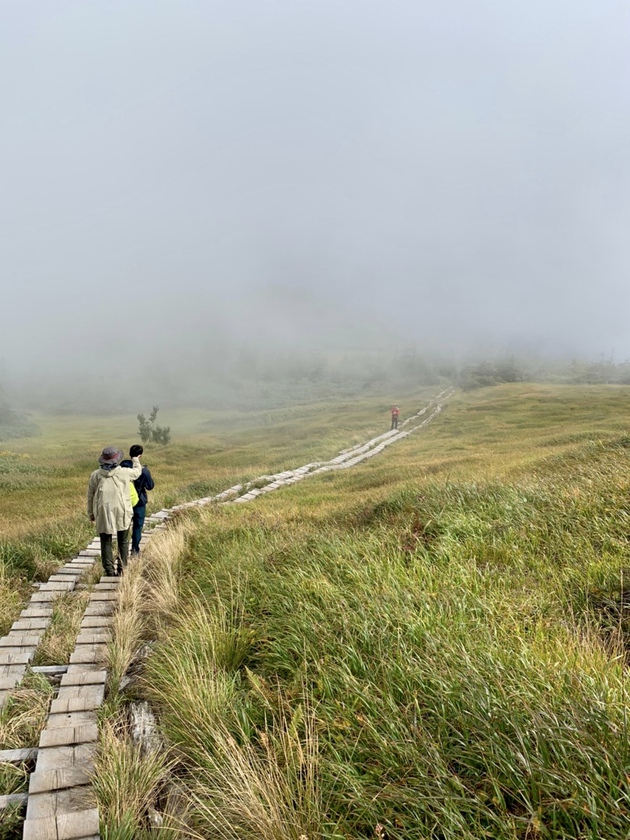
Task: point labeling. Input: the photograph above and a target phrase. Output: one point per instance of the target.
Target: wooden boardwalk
(61, 802)
(18, 647)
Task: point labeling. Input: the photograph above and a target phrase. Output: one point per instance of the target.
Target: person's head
(136, 451)
(110, 457)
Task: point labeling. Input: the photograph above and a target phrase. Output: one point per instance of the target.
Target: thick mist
(188, 182)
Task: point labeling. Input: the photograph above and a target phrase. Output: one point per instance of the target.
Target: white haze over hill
(182, 177)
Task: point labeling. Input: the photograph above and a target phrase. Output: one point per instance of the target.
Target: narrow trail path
(60, 804)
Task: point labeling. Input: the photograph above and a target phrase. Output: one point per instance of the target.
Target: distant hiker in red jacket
(395, 415)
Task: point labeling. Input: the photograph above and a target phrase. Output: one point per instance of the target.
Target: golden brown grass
(128, 781)
(22, 716)
(59, 639)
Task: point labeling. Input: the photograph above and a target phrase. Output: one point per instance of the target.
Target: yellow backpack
(134, 494)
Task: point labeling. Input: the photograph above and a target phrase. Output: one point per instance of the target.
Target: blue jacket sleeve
(148, 480)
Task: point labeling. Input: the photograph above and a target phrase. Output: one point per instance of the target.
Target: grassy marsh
(420, 634)
(432, 644)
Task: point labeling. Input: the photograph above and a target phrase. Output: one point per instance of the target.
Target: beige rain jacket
(108, 498)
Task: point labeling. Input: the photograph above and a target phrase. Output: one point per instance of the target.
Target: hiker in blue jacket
(142, 484)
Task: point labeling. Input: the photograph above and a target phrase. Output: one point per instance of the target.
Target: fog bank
(186, 179)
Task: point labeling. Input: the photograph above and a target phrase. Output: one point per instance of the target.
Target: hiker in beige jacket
(109, 505)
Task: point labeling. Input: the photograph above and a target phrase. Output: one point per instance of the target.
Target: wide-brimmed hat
(111, 456)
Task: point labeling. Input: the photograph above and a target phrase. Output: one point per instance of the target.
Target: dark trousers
(107, 552)
(394, 423)
(139, 512)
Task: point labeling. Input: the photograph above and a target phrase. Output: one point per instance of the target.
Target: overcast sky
(452, 172)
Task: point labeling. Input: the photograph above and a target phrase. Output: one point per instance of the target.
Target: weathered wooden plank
(10, 675)
(21, 638)
(61, 777)
(71, 825)
(10, 799)
(69, 735)
(24, 624)
(72, 800)
(49, 670)
(87, 654)
(52, 758)
(60, 721)
(92, 621)
(37, 611)
(78, 698)
(100, 608)
(16, 655)
(43, 597)
(44, 829)
(90, 637)
(57, 586)
(84, 675)
(18, 756)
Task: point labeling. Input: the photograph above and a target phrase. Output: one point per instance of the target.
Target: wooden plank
(9, 670)
(91, 621)
(53, 758)
(51, 670)
(31, 623)
(69, 735)
(78, 698)
(90, 637)
(10, 676)
(13, 799)
(21, 638)
(16, 656)
(44, 829)
(61, 721)
(46, 805)
(87, 654)
(100, 608)
(43, 597)
(58, 779)
(84, 675)
(18, 756)
(74, 825)
(57, 586)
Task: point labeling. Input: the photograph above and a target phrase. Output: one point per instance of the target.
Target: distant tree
(148, 430)
(144, 428)
(161, 434)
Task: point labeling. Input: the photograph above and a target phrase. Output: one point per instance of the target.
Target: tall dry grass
(266, 787)
(128, 781)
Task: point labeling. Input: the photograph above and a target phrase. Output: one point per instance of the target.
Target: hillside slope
(429, 645)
